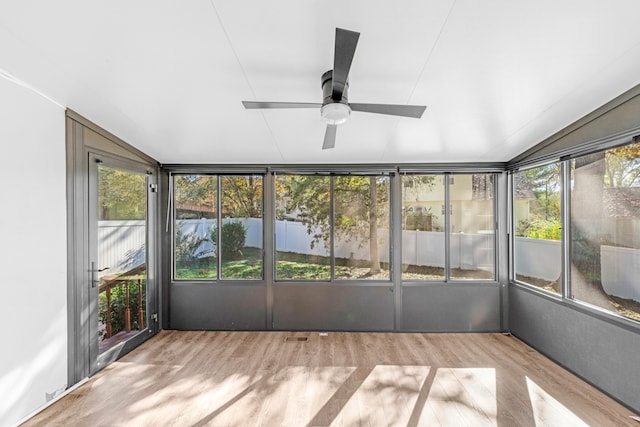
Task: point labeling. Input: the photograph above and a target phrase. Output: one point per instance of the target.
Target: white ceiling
(168, 76)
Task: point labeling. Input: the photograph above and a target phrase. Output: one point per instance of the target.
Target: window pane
(303, 234)
(472, 227)
(605, 230)
(423, 227)
(121, 243)
(361, 206)
(241, 230)
(537, 218)
(195, 201)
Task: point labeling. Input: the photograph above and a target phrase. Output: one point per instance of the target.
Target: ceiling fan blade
(330, 137)
(414, 111)
(258, 104)
(346, 42)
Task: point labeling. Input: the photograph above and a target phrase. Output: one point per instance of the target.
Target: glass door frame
(97, 360)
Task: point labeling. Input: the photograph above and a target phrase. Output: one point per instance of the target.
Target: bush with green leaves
(540, 229)
(233, 238)
(188, 246)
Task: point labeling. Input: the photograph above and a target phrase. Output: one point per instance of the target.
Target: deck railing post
(127, 310)
(108, 314)
(140, 307)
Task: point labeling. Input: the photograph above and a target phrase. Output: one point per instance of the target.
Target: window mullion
(332, 223)
(565, 209)
(447, 230)
(219, 227)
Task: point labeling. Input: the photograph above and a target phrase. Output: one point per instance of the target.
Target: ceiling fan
(335, 107)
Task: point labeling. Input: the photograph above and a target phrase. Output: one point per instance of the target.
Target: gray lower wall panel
(602, 353)
(217, 307)
(333, 307)
(451, 308)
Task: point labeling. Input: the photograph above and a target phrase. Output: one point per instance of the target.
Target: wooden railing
(135, 275)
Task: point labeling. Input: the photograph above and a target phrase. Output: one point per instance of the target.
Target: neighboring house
(471, 198)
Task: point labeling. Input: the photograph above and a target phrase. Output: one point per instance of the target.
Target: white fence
(122, 239)
(122, 246)
(538, 258)
(620, 271)
(620, 267)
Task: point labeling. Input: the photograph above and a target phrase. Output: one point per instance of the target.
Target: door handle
(94, 280)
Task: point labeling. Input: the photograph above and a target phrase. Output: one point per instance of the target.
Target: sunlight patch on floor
(386, 396)
(460, 396)
(547, 410)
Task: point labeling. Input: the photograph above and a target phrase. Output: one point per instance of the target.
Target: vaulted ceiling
(169, 76)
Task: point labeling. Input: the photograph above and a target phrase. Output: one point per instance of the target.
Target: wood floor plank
(197, 378)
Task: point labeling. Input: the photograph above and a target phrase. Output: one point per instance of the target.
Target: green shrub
(187, 246)
(540, 229)
(233, 238)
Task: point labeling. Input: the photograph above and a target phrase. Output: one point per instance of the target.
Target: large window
(303, 233)
(201, 250)
(423, 227)
(361, 227)
(332, 227)
(472, 225)
(605, 230)
(538, 229)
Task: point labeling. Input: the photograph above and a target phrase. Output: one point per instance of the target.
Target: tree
(622, 166)
(586, 215)
(195, 196)
(121, 195)
(415, 188)
(543, 220)
(545, 183)
(360, 204)
(241, 196)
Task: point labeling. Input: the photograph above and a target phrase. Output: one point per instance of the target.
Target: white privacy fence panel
(423, 248)
(620, 273)
(121, 245)
(292, 237)
(538, 258)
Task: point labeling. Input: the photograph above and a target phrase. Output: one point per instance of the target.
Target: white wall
(33, 281)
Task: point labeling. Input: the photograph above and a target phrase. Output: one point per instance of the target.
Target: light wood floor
(343, 379)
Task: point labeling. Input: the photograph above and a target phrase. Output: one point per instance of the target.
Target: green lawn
(288, 267)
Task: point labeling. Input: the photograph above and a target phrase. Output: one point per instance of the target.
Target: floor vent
(296, 339)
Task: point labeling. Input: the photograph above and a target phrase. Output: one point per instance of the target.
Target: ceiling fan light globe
(335, 113)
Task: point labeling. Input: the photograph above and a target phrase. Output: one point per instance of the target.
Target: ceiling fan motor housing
(327, 88)
(333, 111)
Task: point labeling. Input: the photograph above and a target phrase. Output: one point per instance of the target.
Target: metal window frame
(400, 196)
(394, 172)
(172, 230)
(566, 298)
(512, 228)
